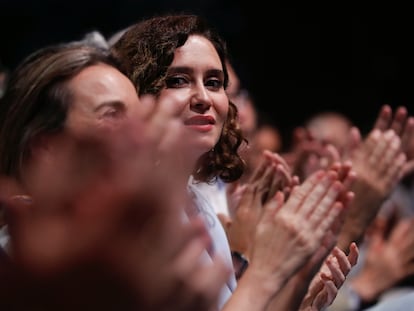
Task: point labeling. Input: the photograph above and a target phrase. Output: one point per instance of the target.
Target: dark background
(296, 59)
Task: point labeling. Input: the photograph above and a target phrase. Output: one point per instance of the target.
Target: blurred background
(295, 59)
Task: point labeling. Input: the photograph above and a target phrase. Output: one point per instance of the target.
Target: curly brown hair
(146, 50)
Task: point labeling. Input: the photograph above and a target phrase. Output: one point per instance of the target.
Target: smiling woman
(192, 85)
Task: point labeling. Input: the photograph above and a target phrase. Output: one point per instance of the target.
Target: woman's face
(194, 89)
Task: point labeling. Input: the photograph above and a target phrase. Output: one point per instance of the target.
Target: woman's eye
(172, 82)
(214, 83)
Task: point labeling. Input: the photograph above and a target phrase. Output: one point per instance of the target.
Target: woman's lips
(201, 123)
(200, 120)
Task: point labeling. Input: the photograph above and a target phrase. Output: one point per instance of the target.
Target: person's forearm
(291, 296)
(254, 292)
(369, 288)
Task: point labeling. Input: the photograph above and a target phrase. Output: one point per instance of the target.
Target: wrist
(240, 263)
(258, 288)
(366, 290)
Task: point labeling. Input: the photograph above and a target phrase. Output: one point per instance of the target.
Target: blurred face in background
(330, 128)
(245, 105)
